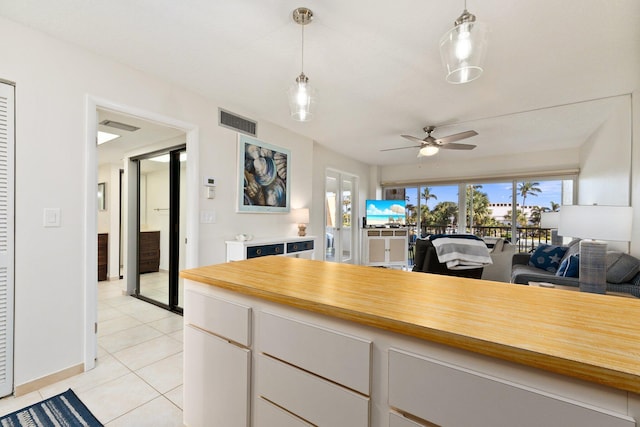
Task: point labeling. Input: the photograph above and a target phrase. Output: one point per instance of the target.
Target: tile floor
(137, 380)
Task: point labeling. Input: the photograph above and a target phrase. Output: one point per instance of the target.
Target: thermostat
(209, 181)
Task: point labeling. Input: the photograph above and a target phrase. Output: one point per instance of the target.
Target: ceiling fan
(430, 145)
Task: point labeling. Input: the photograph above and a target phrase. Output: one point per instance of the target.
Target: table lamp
(550, 220)
(301, 217)
(612, 223)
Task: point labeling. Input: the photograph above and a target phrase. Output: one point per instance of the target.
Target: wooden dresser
(149, 251)
(103, 256)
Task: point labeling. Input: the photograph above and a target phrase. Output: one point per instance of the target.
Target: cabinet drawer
(269, 415)
(446, 395)
(341, 358)
(396, 420)
(294, 247)
(264, 250)
(221, 317)
(318, 401)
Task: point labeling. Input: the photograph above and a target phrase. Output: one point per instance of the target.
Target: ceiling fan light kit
(302, 96)
(429, 150)
(463, 48)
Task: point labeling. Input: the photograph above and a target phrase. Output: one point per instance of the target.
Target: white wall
(605, 160)
(53, 80)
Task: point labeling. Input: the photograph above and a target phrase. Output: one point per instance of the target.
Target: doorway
(189, 133)
(341, 240)
(161, 226)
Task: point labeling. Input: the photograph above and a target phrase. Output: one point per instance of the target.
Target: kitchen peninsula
(295, 342)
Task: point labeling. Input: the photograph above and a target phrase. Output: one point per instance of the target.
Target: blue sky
(498, 193)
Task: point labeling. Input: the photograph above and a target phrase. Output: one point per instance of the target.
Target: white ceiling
(375, 64)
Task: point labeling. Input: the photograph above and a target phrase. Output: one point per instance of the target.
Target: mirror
(102, 196)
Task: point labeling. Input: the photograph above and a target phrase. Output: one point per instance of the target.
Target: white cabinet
(449, 395)
(292, 246)
(217, 374)
(216, 381)
(318, 374)
(385, 246)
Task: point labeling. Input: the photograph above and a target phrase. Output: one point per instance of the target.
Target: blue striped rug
(64, 410)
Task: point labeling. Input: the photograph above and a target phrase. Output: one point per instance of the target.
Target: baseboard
(48, 380)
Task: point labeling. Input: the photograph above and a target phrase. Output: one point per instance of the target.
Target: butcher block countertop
(587, 336)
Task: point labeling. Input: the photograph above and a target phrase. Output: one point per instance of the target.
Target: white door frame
(355, 195)
(91, 206)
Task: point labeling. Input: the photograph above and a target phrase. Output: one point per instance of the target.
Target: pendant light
(462, 48)
(302, 94)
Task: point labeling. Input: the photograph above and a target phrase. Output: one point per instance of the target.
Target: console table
(240, 250)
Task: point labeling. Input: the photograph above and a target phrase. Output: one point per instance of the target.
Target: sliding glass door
(161, 227)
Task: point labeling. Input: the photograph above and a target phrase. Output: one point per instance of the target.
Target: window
(486, 208)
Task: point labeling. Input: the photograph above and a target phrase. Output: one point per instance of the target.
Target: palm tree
(528, 189)
(555, 207)
(427, 194)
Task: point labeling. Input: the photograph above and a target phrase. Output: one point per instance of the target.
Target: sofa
(426, 261)
(623, 270)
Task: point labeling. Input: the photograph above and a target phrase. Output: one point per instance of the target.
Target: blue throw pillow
(547, 257)
(570, 267)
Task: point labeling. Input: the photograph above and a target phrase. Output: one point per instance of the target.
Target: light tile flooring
(137, 380)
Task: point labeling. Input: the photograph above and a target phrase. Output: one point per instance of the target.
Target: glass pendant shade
(463, 48)
(428, 150)
(301, 99)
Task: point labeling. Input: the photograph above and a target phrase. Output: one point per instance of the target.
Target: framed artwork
(263, 178)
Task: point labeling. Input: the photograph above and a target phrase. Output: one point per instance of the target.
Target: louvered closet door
(7, 135)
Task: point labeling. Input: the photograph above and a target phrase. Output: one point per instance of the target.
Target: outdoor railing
(527, 238)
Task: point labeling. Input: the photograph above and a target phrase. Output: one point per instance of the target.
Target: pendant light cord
(302, 60)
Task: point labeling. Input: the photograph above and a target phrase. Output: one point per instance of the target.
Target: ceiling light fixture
(106, 137)
(463, 47)
(301, 94)
(428, 150)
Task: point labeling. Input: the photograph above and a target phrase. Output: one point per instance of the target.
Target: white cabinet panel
(339, 357)
(269, 415)
(385, 247)
(396, 420)
(452, 396)
(216, 381)
(319, 401)
(224, 318)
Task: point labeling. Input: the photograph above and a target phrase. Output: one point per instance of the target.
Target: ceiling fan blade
(456, 137)
(399, 148)
(454, 146)
(413, 138)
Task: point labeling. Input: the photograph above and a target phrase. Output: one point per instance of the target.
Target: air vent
(235, 122)
(118, 125)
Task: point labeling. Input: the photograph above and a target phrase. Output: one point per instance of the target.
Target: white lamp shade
(549, 219)
(462, 50)
(428, 150)
(596, 222)
(300, 216)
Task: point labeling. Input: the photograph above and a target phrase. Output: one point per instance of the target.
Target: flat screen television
(386, 212)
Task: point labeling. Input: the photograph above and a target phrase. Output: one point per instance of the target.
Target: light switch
(207, 217)
(51, 217)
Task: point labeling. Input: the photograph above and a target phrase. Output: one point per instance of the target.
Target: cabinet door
(398, 248)
(216, 381)
(377, 250)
